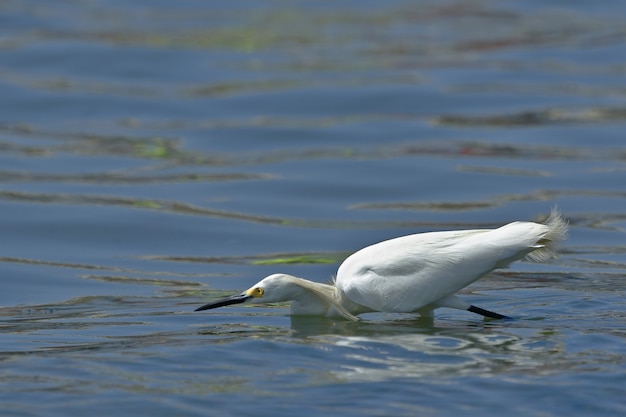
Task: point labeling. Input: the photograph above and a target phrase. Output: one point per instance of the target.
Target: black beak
(233, 299)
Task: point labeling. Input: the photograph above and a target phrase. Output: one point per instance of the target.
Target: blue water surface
(157, 155)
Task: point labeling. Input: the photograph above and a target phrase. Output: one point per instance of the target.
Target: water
(155, 155)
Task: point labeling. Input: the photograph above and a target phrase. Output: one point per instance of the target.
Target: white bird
(410, 274)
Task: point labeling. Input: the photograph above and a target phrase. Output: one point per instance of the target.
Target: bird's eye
(256, 292)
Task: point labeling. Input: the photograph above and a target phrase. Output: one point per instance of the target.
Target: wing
(409, 272)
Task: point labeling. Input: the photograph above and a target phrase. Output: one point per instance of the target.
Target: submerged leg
(453, 301)
(487, 313)
(426, 312)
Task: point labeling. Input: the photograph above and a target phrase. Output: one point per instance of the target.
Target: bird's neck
(313, 298)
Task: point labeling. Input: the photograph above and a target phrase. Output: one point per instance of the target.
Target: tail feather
(547, 246)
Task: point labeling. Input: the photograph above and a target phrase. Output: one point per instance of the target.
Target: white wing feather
(410, 272)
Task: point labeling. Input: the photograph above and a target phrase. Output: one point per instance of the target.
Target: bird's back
(409, 272)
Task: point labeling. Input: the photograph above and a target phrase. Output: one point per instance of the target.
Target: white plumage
(414, 273)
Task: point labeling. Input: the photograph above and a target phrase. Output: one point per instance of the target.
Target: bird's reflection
(307, 326)
(417, 347)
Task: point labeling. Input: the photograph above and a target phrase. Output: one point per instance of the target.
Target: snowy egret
(410, 274)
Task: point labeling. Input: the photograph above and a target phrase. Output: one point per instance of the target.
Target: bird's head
(272, 289)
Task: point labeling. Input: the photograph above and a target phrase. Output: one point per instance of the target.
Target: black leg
(487, 313)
